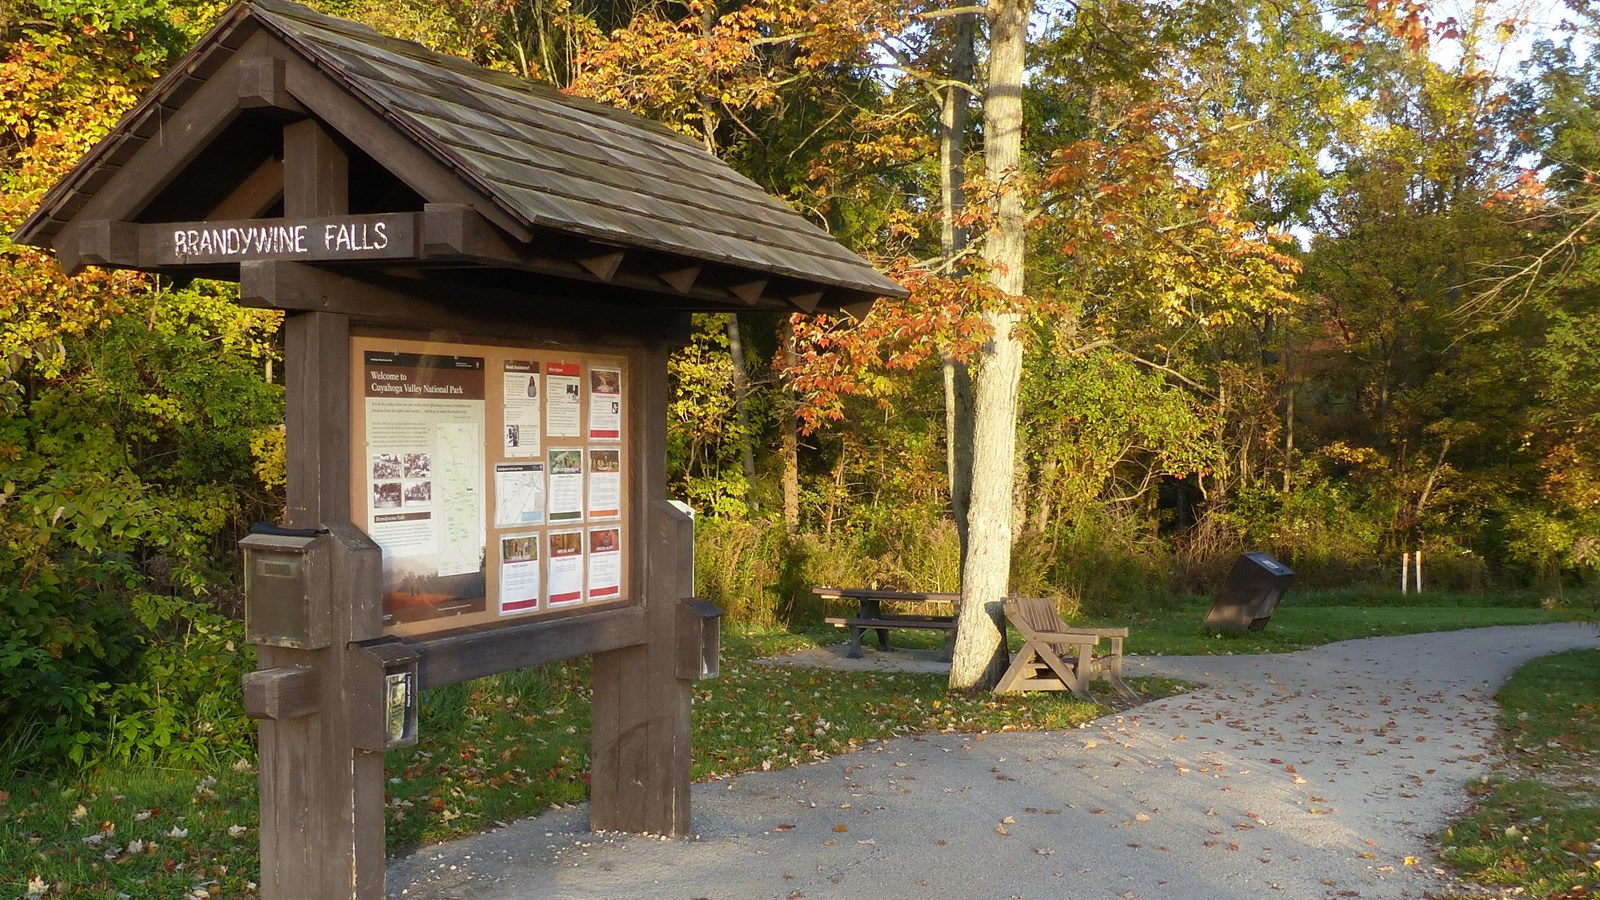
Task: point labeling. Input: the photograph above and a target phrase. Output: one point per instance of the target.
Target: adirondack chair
(1056, 656)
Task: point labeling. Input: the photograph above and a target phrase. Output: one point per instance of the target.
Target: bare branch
(952, 11)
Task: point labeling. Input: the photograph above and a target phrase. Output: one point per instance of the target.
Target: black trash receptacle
(1250, 595)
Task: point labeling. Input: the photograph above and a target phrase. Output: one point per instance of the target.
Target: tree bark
(953, 120)
(980, 652)
(741, 404)
(791, 437)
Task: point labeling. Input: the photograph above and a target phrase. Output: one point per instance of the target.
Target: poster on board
(519, 573)
(605, 563)
(518, 494)
(566, 567)
(566, 485)
(563, 403)
(605, 484)
(424, 469)
(605, 404)
(521, 408)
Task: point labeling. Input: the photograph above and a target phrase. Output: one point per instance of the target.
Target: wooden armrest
(1104, 632)
(1073, 637)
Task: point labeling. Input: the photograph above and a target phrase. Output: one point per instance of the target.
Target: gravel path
(1312, 774)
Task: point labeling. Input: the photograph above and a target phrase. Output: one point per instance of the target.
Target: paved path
(1312, 774)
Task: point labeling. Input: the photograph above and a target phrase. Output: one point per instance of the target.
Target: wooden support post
(322, 799)
(639, 774)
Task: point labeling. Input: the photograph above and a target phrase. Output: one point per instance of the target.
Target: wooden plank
(335, 238)
(261, 86)
(283, 693)
(316, 172)
(317, 412)
(462, 657)
(321, 798)
(107, 243)
(446, 306)
(457, 231)
(833, 593)
(640, 754)
(257, 193)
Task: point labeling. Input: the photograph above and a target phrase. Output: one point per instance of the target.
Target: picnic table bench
(871, 615)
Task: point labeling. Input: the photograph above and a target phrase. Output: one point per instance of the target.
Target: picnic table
(870, 614)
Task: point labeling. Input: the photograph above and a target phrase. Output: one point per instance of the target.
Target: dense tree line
(1301, 276)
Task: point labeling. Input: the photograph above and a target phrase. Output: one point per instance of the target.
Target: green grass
(146, 833)
(1535, 825)
(1301, 622)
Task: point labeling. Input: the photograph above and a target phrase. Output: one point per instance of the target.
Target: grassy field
(1319, 619)
(513, 745)
(1535, 824)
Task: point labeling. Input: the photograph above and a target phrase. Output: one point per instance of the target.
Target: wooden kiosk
(482, 280)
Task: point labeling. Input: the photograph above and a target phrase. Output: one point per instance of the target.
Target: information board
(495, 478)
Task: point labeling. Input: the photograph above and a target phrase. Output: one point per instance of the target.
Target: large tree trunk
(980, 652)
(953, 119)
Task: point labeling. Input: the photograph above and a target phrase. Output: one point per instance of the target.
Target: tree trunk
(1288, 420)
(980, 653)
(791, 437)
(953, 119)
(741, 403)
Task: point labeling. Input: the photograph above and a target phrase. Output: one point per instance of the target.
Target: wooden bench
(870, 615)
(1056, 656)
(881, 624)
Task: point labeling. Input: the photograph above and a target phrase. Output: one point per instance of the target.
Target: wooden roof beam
(439, 305)
(257, 193)
(457, 231)
(98, 243)
(262, 85)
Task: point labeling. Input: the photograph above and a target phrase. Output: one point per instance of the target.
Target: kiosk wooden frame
(369, 188)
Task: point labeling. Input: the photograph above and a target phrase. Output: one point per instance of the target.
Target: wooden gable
(450, 172)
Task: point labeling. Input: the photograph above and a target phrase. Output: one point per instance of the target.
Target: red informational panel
(495, 478)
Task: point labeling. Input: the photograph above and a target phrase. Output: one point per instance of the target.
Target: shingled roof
(545, 161)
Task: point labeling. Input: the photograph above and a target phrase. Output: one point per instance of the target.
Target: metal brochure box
(699, 639)
(1251, 593)
(288, 589)
(384, 714)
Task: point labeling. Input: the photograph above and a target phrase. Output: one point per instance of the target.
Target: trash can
(1250, 594)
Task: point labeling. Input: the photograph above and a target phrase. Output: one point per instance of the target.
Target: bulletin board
(495, 478)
